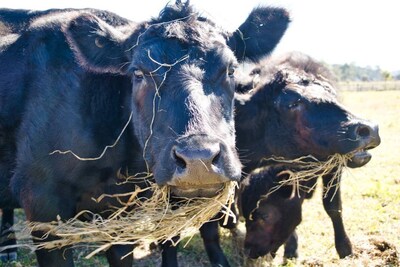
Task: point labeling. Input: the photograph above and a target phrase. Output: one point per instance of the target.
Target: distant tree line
(351, 72)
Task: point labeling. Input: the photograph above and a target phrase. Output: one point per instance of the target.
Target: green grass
(371, 206)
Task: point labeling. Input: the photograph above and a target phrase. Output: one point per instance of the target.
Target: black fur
(293, 111)
(294, 103)
(70, 81)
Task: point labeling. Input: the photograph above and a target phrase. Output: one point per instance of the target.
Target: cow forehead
(168, 54)
(314, 92)
(195, 32)
(190, 32)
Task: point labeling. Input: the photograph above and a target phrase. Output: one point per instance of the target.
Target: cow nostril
(216, 158)
(363, 131)
(179, 160)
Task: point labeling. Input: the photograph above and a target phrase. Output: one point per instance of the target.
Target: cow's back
(22, 34)
(49, 102)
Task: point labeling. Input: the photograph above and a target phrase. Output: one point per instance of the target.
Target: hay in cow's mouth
(307, 168)
(156, 219)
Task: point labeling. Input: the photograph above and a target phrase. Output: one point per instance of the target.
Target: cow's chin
(193, 190)
(359, 159)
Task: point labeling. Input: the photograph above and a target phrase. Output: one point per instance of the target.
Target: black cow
(155, 96)
(12, 25)
(272, 210)
(294, 112)
(29, 52)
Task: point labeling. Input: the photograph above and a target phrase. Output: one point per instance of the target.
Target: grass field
(371, 206)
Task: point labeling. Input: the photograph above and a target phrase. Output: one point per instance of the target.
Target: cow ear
(243, 86)
(287, 190)
(245, 82)
(98, 47)
(260, 33)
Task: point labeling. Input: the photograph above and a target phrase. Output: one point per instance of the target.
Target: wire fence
(370, 86)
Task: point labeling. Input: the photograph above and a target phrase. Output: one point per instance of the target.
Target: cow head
(295, 112)
(182, 70)
(271, 213)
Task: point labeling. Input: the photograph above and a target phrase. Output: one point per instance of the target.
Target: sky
(334, 31)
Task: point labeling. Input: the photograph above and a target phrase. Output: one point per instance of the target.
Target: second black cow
(294, 112)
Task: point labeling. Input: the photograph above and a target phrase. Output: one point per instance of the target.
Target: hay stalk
(155, 219)
(308, 168)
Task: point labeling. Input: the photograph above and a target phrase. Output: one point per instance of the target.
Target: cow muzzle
(367, 135)
(201, 166)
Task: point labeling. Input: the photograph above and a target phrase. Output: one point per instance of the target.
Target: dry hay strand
(308, 168)
(140, 221)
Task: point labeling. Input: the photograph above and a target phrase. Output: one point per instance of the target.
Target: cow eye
(294, 104)
(139, 75)
(231, 71)
(264, 217)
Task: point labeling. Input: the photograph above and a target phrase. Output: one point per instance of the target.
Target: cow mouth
(359, 158)
(193, 191)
